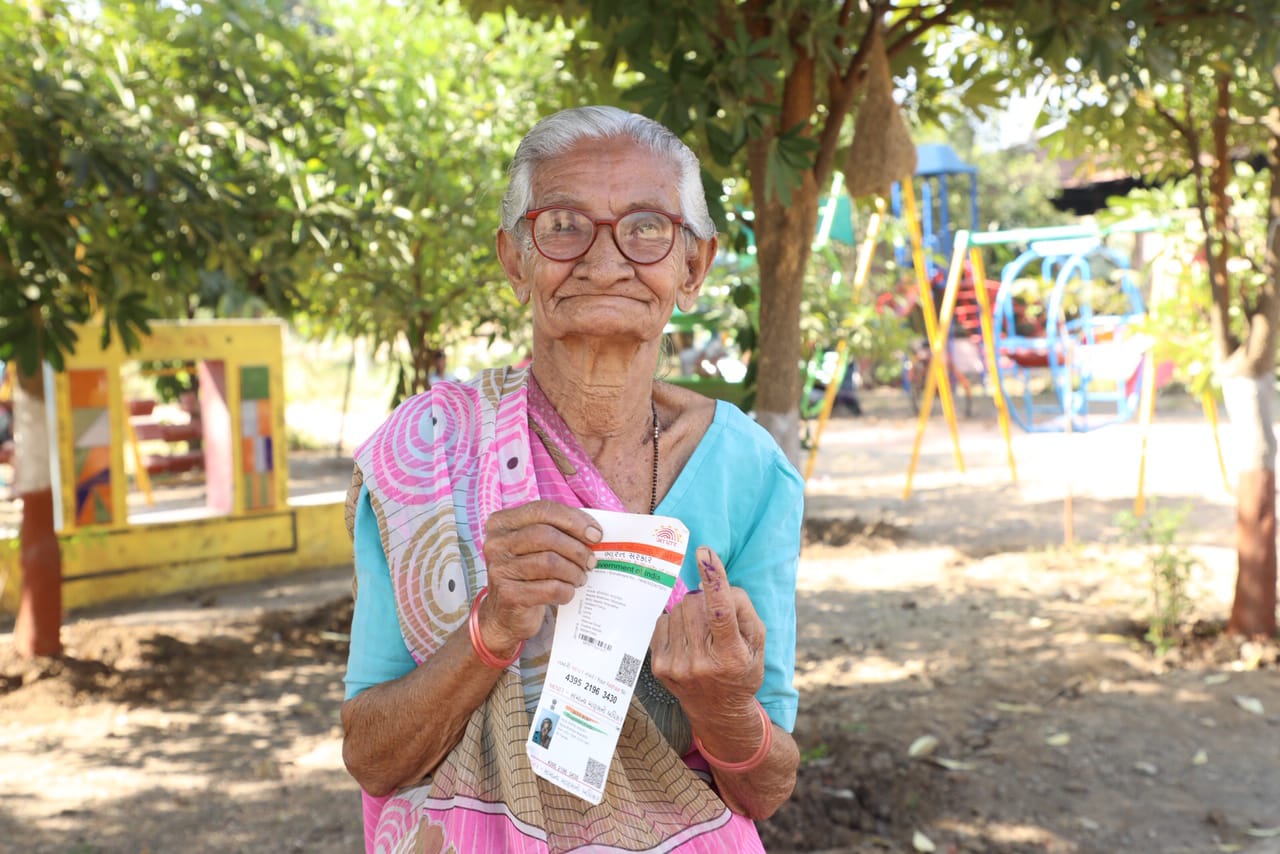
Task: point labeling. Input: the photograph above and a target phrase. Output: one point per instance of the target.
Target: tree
(341, 164)
(124, 144)
(418, 170)
(765, 88)
(1191, 89)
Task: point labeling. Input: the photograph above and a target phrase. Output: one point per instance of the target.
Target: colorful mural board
(91, 441)
(257, 460)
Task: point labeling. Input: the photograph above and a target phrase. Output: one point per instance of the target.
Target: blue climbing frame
(1093, 360)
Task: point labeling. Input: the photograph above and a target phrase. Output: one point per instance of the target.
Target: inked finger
(721, 611)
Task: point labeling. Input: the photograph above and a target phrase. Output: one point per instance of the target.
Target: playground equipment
(1093, 359)
(246, 527)
(937, 373)
(971, 244)
(881, 156)
(938, 165)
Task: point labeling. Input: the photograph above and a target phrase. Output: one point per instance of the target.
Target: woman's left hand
(709, 650)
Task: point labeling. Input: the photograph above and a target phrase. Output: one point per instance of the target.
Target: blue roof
(938, 158)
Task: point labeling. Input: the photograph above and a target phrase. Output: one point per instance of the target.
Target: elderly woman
(466, 513)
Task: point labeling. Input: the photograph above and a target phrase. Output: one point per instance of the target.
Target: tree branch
(904, 39)
(1173, 121)
(842, 89)
(1214, 238)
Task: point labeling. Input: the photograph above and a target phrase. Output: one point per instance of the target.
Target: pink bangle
(477, 642)
(766, 744)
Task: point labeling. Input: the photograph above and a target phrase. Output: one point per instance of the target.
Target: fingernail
(594, 534)
(704, 561)
(591, 561)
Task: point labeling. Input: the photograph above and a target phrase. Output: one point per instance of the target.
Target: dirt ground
(969, 682)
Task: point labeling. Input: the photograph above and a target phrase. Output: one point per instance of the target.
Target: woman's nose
(604, 248)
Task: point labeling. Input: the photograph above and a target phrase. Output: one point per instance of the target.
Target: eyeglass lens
(642, 236)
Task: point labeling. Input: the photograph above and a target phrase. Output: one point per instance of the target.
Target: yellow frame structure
(119, 559)
(935, 329)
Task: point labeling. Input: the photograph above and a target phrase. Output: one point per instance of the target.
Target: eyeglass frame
(676, 220)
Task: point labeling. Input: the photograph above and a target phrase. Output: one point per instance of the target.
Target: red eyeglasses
(642, 236)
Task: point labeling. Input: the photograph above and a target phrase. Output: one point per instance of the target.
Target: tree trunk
(784, 241)
(1249, 389)
(1250, 402)
(38, 630)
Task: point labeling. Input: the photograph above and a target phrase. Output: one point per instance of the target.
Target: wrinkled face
(603, 294)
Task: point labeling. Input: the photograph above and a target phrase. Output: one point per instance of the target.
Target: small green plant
(1171, 567)
(820, 751)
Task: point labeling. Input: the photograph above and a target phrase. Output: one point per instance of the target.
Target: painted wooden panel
(174, 543)
(91, 456)
(144, 561)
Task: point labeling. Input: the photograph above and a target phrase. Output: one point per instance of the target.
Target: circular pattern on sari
(432, 575)
(406, 455)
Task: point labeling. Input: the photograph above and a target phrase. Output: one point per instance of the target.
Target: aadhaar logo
(668, 535)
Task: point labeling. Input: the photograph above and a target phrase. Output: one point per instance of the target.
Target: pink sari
(436, 470)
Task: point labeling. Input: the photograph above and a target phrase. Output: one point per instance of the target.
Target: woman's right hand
(538, 554)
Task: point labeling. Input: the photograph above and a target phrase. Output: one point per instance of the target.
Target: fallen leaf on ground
(1217, 678)
(1020, 708)
(922, 746)
(920, 842)
(1058, 739)
(1263, 832)
(952, 764)
(1250, 704)
(1200, 758)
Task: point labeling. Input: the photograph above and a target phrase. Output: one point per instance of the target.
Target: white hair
(557, 133)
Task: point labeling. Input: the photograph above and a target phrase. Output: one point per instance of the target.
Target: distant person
(439, 368)
(6, 411)
(466, 509)
(847, 393)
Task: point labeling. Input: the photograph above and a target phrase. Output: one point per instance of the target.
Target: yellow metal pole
(1210, 405)
(927, 395)
(937, 325)
(828, 400)
(934, 380)
(140, 473)
(938, 354)
(860, 275)
(1146, 409)
(989, 346)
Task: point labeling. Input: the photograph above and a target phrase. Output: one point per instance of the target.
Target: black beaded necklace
(653, 491)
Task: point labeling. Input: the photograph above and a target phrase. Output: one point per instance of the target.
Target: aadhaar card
(600, 641)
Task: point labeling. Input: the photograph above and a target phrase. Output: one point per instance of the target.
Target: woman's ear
(512, 257)
(698, 264)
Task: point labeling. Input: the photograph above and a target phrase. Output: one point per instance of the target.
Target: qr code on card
(628, 670)
(594, 775)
